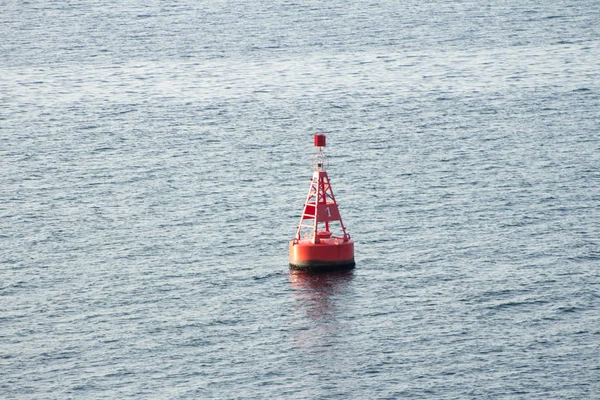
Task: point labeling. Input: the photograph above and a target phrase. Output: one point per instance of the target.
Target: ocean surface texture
(155, 155)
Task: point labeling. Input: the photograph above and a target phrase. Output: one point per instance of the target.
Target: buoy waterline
(316, 248)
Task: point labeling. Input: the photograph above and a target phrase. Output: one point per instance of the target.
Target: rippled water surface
(154, 157)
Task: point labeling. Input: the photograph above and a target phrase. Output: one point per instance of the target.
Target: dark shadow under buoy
(324, 281)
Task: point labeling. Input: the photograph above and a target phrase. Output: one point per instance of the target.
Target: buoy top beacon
(321, 243)
(320, 140)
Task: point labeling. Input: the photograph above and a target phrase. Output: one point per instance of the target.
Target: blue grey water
(154, 157)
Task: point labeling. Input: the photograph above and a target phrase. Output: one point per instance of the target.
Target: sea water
(155, 155)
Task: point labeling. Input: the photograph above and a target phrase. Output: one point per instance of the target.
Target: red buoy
(316, 248)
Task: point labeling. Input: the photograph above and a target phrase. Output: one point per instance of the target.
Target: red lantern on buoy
(316, 248)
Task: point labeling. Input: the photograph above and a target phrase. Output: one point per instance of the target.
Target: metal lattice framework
(320, 207)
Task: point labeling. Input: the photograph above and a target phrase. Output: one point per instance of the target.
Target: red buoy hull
(330, 254)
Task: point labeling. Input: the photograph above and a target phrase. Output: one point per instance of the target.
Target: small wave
(569, 309)
(511, 304)
(102, 149)
(267, 276)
